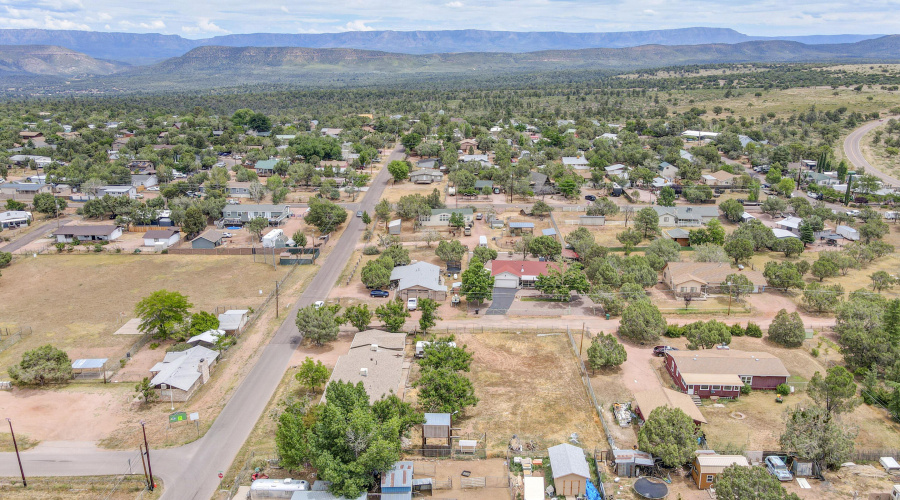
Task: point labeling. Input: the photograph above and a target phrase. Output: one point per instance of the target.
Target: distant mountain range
(140, 48)
(214, 67)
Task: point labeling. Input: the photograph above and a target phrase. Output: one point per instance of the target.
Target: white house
(12, 219)
(182, 373)
(791, 224)
(426, 176)
(117, 191)
(106, 232)
(161, 238)
(576, 162)
(233, 321)
(441, 216)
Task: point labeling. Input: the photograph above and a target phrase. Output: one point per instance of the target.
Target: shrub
(753, 330)
(181, 346)
(736, 330)
(783, 389)
(98, 248)
(746, 389)
(372, 250)
(674, 331)
(815, 352)
(154, 345)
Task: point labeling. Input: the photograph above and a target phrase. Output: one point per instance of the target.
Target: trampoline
(651, 488)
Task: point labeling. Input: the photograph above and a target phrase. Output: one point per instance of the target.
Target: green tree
(366, 219)
(605, 351)
(785, 187)
(709, 252)
(630, 238)
(835, 392)
(299, 238)
(881, 280)
(790, 247)
(544, 246)
(359, 316)
(484, 254)
(443, 390)
(14, 205)
(666, 197)
(732, 209)
(5, 259)
(383, 210)
(647, 221)
(375, 274)
(317, 324)
(642, 322)
(783, 276)
(398, 255)
(194, 221)
(706, 335)
(450, 251)
(203, 322)
(541, 208)
(441, 354)
(737, 482)
(477, 282)
(393, 314)
(312, 374)
(145, 391)
(787, 329)
(739, 249)
(669, 434)
(325, 215)
(161, 312)
(399, 170)
(457, 220)
(874, 229)
(411, 140)
(820, 298)
(661, 251)
(429, 316)
(737, 285)
(810, 432)
(44, 365)
(256, 226)
(46, 203)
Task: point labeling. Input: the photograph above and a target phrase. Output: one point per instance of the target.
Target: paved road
(854, 153)
(34, 235)
(190, 471)
(502, 300)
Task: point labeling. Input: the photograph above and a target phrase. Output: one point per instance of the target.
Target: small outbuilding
(161, 238)
(847, 232)
(397, 483)
(629, 461)
(89, 368)
(570, 469)
(206, 339)
(208, 239)
(519, 228)
(708, 466)
(394, 226)
(436, 426)
(233, 321)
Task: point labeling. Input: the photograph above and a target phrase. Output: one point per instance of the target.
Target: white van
(482, 241)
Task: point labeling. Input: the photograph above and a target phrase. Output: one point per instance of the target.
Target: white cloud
(649, 11)
(455, 5)
(204, 25)
(155, 24)
(285, 9)
(103, 16)
(357, 26)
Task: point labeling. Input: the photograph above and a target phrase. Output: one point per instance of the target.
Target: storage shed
(436, 426)
(519, 228)
(394, 226)
(628, 461)
(707, 467)
(570, 469)
(396, 484)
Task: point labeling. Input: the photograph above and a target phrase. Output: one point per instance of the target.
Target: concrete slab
(130, 327)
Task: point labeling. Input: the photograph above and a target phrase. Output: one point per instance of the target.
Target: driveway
(503, 299)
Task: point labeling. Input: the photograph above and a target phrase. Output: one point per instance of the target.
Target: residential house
(144, 180)
(265, 168)
(782, 234)
(206, 339)
(117, 191)
(141, 167)
(242, 214)
(708, 466)
(667, 171)
(616, 170)
(518, 273)
(208, 239)
(680, 236)
(570, 470)
(847, 232)
(467, 145)
(233, 321)
(429, 163)
(70, 233)
(686, 155)
(698, 279)
(375, 358)
(11, 189)
(821, 179)
(721, 373)
(39, 161)
(234, 189)
(576, 162)
(719, 178)
(161, 238)
(183, 372)
(610, 137)
(483, 159)
(426, 176)
(699, 134)
(686, 215)
(440, 217)
(419, 280)
(480, 185)
(542, 185)
(791, 224)
(331, 132)
(12, 219)
(647, 401)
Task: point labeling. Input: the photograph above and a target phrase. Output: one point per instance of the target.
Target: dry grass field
(529, 386)
(77, 302)
(78, 488)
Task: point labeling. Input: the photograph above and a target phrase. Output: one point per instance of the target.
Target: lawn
(529, 386)
(77, 302)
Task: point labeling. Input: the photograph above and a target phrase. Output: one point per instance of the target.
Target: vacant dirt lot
(529, 386)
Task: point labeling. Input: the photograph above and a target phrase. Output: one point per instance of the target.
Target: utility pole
(276, 299)
(147, 447)
(581, 347)
(18, 457)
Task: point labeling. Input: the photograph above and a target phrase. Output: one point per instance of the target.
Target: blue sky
(203, 18)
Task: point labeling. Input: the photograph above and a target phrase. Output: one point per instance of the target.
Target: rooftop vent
(374, 347)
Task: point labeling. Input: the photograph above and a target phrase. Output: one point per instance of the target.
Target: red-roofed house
(518, 273)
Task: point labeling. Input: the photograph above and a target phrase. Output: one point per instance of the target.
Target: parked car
(233, 202)
(590, 197)
(359, 213)
(153, 188)
(412, 303)
(815, 196)
(379, 293)
(318, 304)
(661, 350)
(853, 213)
(777, 468)
(227, 235)
(479, 216)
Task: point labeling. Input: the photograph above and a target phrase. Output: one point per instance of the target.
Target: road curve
(854, 153)
(191, 471)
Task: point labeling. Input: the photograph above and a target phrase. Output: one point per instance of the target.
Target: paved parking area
(502, 301)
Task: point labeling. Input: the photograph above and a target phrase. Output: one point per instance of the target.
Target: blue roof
(81, 364)
(521, 225)
(266, 164)
(548, 232)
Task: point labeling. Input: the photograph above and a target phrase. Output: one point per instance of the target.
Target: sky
(203, 18)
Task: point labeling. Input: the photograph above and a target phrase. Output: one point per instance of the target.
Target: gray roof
(210, 235)
(521, 225)
(483, 184)
(566, 459)
(437, 419)
(253, 208)
(548, 232)
(209, 336)
(464, 211)
(84, 364)
(384, 365)
(180, 369)
(395, 222)
(102, 230)
(26, 186)
(688, 211)
(419, 274)
(158, 234)
(678, 233)
(231, 319)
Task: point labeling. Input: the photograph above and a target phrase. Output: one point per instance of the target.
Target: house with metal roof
(699, 279)
(183, 372)
(426, 176)
(206, 339)
(12, 219)
(421, 280)
(117, 191)
(481, 184)
(104, 232)
(375, 358)
(518, 273)
(722, 372)
(440, 217)
(576, 162)
(24, 188)
(233, 321)
(570, 469)
(686, 215)
(791, 224)
(708, 466)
